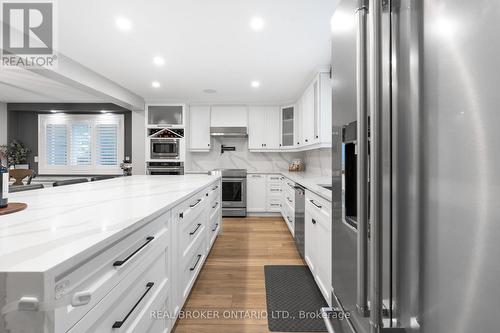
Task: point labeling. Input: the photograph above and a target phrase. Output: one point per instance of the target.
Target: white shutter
(56, 144)
(81, 144)
(107, 144)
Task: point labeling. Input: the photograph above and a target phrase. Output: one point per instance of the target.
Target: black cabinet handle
(290, 201)
(317, 136)
(195, 204)
(288, 218)
(313, 221)
(307, 140)
(315, 204)
(196, 263)
(209, 144)
(195, 230)
(216, 187)
(121, 262)
(216, 225)
(119, 324)
(216, 204)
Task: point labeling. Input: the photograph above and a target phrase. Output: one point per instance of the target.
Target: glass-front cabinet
(287, 126)
(165, 115)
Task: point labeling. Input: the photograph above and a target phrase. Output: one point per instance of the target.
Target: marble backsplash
(241, 158)
(318, 161)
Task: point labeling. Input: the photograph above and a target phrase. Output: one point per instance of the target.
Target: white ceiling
(20, 86)
(205, 43)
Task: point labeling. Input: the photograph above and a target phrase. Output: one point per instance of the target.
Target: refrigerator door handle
(376, 172)
(362, 156)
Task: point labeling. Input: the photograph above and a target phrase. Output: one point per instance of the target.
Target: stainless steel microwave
(165, 149)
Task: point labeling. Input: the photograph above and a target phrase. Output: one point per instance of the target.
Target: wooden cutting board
(13, 207)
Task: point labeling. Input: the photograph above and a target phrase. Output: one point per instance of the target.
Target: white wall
(3, 123)
(138, 142)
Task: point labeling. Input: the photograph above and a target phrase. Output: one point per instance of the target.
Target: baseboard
(265, 214)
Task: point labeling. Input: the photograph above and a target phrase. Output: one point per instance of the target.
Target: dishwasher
(300, 202)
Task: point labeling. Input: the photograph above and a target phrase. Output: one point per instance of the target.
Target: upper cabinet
(229, 116)
(263, 128)
(315, 113)
(287, 118)
(199, 129)
(171, 115)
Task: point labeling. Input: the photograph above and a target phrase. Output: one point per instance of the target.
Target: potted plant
(17, 154)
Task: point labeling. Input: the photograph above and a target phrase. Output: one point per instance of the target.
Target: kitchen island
(104, 255)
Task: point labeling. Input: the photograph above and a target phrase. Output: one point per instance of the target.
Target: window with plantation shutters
(107, 153)
(56, 149)
(80, 144)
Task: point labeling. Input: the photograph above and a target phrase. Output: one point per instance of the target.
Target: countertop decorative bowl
(19, 175)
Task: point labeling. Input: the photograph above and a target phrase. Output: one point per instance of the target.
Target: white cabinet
(165, 115)
(318, 241)
(264, 125)
(229, 116)
(287, 129)
(199, 128)
(256, 193)
(315, 114)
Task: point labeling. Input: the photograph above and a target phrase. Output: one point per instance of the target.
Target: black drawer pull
(313, 221)
(196, 263)
(216, 187)
(121, 262)
(195, 230)
(315, 204)
(194, 205)
(288, 198)
(216, 204)
(216, 226)
(119, 324)
(288, 218)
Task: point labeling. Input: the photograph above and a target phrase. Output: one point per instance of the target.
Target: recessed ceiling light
(123, 23)
(255, 84)
(155, 84)
(257, 23)
(159, 61)
(209, 91)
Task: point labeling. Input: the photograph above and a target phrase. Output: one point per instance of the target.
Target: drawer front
(274, 204)
(214, 192)
(128, 307)
(274, 190)
(189, 209)
(214, 228)
(288, 190)
(289, 199)
(191, 232)
(290, 219)
(318, 204)
(215, 206)
(86, 286)
(192, 265)
(276, 179)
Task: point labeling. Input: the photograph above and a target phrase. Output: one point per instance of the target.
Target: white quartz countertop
(64, 224)
(311, 182)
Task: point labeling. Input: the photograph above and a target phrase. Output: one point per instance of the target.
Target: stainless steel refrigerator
(416, 156)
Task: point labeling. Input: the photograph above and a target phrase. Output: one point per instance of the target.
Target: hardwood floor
(231, 284)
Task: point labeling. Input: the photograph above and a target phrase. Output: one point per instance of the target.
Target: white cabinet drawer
(191, 232)
(88, 284)
(290, 219)
(191, 266)
(274, 204)
(190, 208)
(128, 306)
(276, 179)
(319, 204)
(288, 189)
(274, 190)
(214, 192)
(214, 227)
(289, 199)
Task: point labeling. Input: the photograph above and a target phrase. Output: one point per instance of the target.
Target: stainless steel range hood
(232, 132)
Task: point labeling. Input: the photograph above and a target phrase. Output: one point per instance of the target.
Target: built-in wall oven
(165, 168)
(234, 191)
(165, 149)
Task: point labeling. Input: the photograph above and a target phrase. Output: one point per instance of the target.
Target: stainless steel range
(234, 191)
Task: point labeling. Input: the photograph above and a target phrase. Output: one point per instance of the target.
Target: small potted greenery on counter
(17, 154)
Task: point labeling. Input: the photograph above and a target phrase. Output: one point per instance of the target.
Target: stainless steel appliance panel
(448, 179)
(165, 148)
(299, 228)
